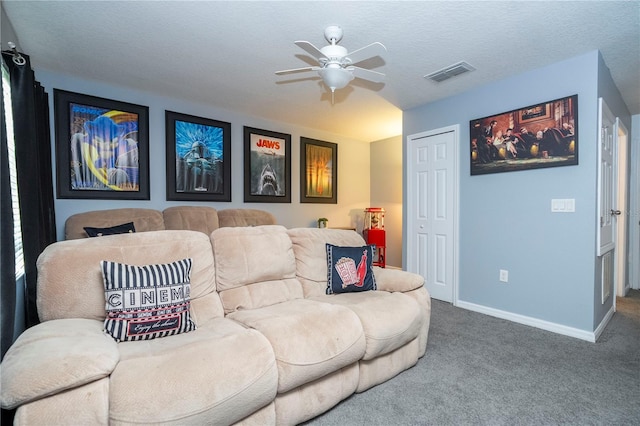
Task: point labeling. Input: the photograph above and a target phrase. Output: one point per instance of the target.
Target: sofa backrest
(70, 283)
(143, 220)
(245, 217)
(196, 218)
(255, 267)
(309, 247)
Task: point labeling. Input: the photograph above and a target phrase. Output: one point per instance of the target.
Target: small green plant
(322, 222)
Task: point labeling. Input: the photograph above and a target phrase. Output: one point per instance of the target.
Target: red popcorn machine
(374, 233)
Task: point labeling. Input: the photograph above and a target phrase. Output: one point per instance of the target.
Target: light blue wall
(505, 218)
(353, 191)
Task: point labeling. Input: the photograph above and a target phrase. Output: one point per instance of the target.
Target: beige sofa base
(264, 416)
(421, 295)
(84, 405)
(314, 398)
(380, 369)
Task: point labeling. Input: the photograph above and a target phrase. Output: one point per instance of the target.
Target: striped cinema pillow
(146, 302)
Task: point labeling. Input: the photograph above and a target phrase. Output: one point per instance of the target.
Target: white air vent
(450, 71)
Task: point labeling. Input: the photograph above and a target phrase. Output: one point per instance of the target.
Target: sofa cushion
(145, 302)
(125, 228)
(217, 374)
(310, 339)
(349, 269)
(389, 320)
(255, 267)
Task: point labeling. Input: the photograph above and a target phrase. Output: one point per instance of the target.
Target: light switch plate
(563, 205)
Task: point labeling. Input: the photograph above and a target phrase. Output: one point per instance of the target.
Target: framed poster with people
(536, 136)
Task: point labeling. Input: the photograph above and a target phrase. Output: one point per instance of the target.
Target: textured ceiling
(225, 53)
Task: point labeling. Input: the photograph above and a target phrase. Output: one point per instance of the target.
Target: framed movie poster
(102, 147)
(267, 166)
(198, 158)
(537, 136)
(318, 171)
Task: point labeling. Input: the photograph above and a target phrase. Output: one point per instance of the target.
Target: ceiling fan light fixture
(335, 78)
(336, 63)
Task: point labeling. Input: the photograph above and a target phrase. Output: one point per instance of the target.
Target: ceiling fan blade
(310, 49)
(373, 49)
(297, 70)
(365, 74)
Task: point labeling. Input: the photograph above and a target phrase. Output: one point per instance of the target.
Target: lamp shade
(335, 77)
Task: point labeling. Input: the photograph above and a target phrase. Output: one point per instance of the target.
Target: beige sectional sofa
(270, 346)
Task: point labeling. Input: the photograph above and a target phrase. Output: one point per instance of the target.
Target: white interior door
(621, 257)
(634, 213)
(606, 236)
(432, 194)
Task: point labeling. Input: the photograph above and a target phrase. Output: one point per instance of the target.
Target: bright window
(13, 175)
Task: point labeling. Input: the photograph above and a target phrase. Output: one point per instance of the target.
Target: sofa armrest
(55, 356)
(392, 280)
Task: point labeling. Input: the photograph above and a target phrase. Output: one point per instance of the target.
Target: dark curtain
(30, 105)
(7, 260)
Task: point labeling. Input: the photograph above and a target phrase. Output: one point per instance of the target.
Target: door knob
(616, 212)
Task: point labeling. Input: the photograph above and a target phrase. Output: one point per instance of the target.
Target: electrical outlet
(504, 275)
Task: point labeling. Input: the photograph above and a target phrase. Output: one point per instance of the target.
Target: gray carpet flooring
(480, 370)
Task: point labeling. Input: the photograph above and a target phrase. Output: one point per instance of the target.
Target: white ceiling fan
(335, 63)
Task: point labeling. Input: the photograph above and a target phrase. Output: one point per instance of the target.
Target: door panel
(431, 215)
(622, 204)
(606, 237)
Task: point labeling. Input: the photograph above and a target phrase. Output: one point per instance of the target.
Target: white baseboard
(590, 336)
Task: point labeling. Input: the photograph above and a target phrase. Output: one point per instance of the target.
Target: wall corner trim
(603, 323)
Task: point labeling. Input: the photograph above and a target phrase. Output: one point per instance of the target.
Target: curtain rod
(17, 57)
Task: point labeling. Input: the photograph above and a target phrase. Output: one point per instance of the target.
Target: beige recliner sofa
(270, 347)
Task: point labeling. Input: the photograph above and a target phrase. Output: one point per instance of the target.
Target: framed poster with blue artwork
(198, 158)
(102, 148)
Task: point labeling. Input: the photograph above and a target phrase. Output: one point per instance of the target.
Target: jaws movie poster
(268, 166)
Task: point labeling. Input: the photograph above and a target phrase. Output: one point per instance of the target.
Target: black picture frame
(102, 147)
(318, 171)
(198, 158)
(537, 136)
(267, 166)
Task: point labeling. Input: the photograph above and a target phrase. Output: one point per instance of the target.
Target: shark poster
(267, 166)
